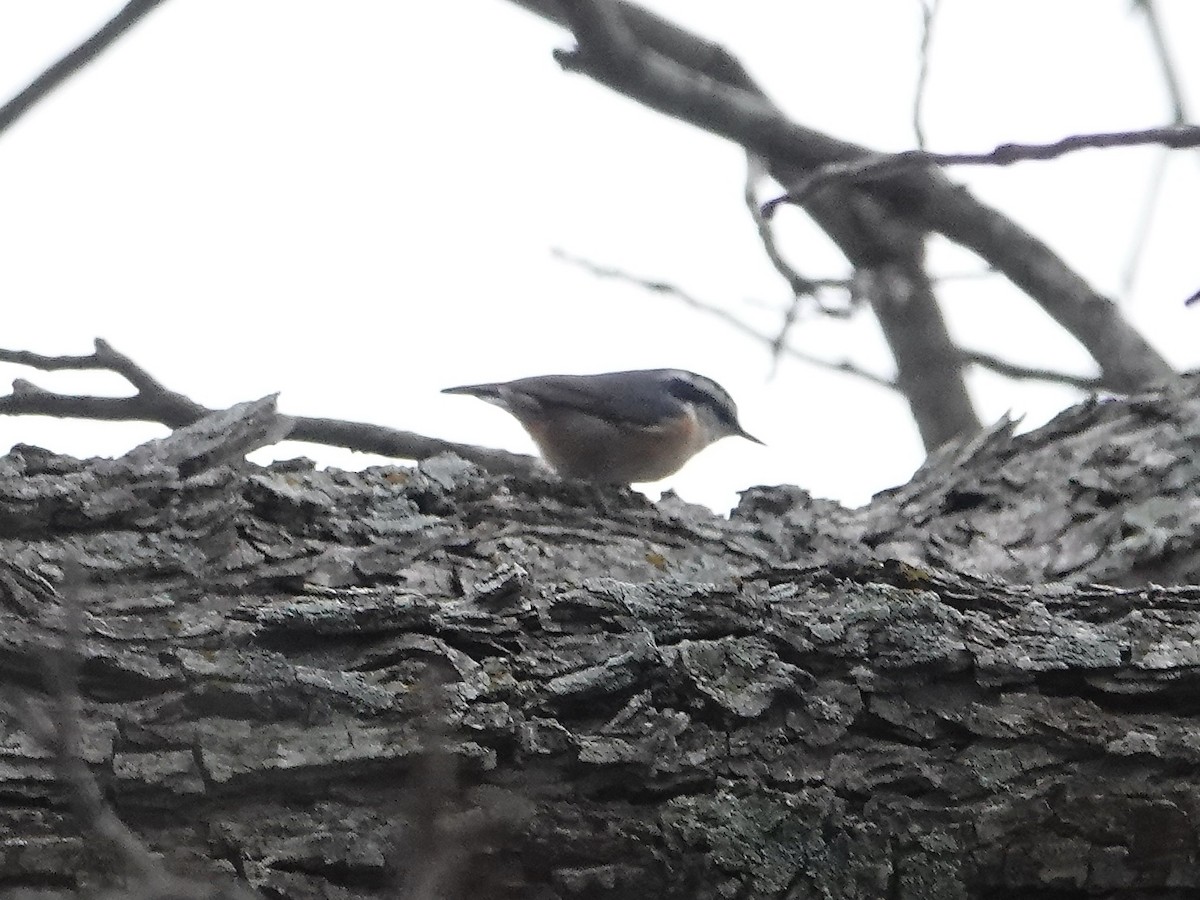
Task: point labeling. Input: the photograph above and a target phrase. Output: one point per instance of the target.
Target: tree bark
(442, 683)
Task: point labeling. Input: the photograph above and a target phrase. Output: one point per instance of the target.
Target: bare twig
(664, 287)
(929, 11)
(155, 403)
(129, 15)
(882, 166)
(1170, 72)
(1031, 373)
(985, 360)
(670, 290)
(1144, 220)
(800, 286)
(1179, 116)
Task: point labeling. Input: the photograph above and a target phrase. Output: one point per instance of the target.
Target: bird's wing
(615, 397)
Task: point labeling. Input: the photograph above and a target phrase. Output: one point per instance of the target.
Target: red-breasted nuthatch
(618, 427)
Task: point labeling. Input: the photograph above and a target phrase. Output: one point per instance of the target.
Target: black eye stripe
(716, 400)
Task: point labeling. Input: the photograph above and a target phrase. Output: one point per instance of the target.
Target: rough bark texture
(441, 683)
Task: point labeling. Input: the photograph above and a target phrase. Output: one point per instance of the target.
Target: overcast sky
(355, 204)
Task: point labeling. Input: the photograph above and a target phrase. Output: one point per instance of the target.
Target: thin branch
(1170, 72)
(1145, 220)
(985, 360)
(155, 403)
(130, 14)
(1179, 116)
(1031, 373)
(800, 286)
(882, 166)
(929, 11)
(165, 406)
(670, 290)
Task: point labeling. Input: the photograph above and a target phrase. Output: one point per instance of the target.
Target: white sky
(354, 204)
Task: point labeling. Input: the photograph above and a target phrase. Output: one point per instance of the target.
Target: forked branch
(153, 402)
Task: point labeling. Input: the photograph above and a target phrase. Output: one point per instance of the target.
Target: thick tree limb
(155, 403)
(672, 70)
(351, 685)
(689, 78)
(58, 727)
(669, 69)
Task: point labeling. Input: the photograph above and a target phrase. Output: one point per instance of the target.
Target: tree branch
(1170, 72)
(662, 287)
(1179, 116)
(929, 12)
(882, 166)
(700, 82)
(130, 14)
(155, 403)
(799, 285)
(1030, 373)
(688, 78)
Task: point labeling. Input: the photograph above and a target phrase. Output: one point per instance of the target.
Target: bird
(617, 427)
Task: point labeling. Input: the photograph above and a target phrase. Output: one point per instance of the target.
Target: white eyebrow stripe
(701, 388)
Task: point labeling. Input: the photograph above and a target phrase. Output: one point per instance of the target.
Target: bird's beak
(748, 436)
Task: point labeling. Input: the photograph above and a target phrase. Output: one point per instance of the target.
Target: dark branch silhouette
(1031, 373)
(882, 166)
(130, 14)
(879, 219)
(675, 72)
(879, 223)
(155, 403)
